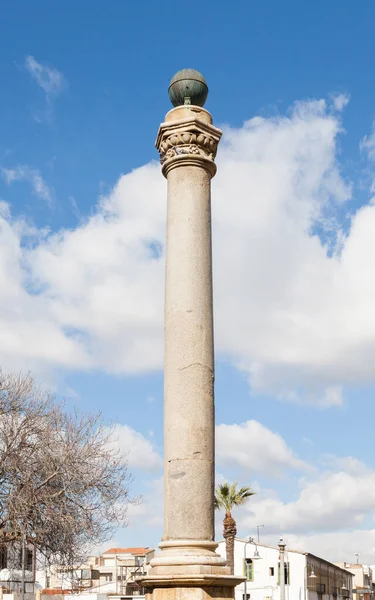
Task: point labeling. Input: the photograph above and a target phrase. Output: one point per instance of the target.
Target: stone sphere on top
(188, 87)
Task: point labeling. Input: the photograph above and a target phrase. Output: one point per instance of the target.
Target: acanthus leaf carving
(188, 142)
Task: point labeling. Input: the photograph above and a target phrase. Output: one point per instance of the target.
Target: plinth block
(190, 587)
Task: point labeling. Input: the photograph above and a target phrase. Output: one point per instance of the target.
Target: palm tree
(228, 495)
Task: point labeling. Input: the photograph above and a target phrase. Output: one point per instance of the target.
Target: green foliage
(228, 495)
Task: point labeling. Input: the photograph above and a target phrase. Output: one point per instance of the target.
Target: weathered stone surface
(194, 590)
(187, 142)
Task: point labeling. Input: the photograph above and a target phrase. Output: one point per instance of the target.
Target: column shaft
(189, 358)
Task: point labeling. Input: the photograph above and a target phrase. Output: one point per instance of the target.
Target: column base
(188, 556)
(189, 570)
(190, 587)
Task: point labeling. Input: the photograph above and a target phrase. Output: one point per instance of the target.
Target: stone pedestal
(192, 588)
(187, 566)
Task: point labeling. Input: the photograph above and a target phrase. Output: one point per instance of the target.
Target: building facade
(307, 577)
(11, 558)
(363, 580)
(114, 572)
(119, 568)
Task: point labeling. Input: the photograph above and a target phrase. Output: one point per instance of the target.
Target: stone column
(187, 142)
(189, 352)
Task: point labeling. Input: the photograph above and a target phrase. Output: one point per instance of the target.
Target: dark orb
(188, 87)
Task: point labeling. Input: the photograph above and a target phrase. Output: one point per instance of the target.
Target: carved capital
(188, 141)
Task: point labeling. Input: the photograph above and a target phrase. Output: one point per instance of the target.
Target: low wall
(84, 596)
(17, 596)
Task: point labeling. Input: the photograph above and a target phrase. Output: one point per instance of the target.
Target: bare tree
(62, 483)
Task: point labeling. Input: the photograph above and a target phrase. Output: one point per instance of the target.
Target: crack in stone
(194, 457)
(194, 364)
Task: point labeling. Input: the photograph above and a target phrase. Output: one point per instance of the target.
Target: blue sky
(84, 88)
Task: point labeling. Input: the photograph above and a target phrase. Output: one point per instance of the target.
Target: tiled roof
(128, 551)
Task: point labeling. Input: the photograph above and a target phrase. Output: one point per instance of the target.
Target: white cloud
(51, 81)
(104, 307)
(332, 501)
(253, 447)
(149, 513)
(331, 514)
(348, 464)
(48, 78)
(338, 546)
(33, 176)
(295, 314)
(4, 210)
(139, 451)
(340, 101)
(367, 144)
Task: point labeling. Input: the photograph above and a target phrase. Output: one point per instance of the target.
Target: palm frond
(228, 495)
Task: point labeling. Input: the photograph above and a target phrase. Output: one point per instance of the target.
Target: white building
(115, 572)
(307, 577)
(119, 568)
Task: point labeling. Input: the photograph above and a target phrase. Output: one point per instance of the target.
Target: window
(287, 573)
(85, 574)
(272, 571)
(248, 569)
(29, 560)
(109, 562)
(106, 576)
(3, 557)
